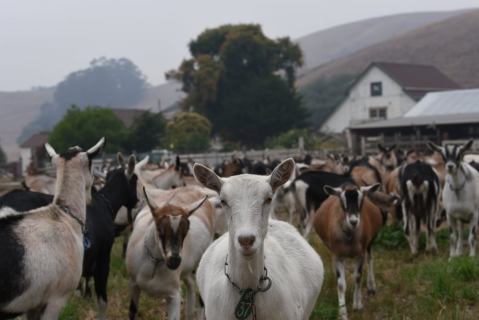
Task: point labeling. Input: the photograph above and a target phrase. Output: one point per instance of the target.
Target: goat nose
(246, 241)
(450, 166)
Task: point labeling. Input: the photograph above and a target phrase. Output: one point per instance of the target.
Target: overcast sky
(41, 41)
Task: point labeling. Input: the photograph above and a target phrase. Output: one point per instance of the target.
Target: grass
(424, 287)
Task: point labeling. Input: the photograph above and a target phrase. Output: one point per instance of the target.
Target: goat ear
(196, 205)
(464, 148)
(93, 151)
(207, 177)
(131, 164)
(433, 147)
(177, 163)
(373, 188)
(381, 148)
(142, 163)
(281, 173)
(51, 152)
(332, 191)
(151, 204)
(121, 160)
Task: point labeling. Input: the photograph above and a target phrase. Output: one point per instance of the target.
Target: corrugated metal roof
(431, 120)
(446, 103)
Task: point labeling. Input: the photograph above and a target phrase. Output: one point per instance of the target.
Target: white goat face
(452, 155)
(246, 201)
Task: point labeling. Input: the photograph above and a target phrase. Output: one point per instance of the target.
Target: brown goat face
(172, 230)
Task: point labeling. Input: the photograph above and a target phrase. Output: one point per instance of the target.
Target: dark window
(378, 113)
(376, 89)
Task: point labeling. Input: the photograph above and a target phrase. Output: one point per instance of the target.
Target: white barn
(383, 91)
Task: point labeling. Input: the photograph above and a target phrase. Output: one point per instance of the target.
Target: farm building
(32, 151)
(384, 91)
(439, 117)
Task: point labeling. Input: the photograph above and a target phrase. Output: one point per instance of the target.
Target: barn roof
(37, 140)
(447, 102)
(415, 79)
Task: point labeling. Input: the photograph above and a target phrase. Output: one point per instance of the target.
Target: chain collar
(457, 190)
(69, 212)
(248, 294)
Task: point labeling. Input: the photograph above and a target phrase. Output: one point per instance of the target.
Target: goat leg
(358, 272)
(341, 278)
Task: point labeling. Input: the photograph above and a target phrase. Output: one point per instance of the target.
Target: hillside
(451, 45)
(18, 109)
(333, 43)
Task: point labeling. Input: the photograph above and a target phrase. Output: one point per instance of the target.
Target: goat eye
(224, 203)
(267, 200)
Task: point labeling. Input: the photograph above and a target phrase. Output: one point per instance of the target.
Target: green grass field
(424, 287)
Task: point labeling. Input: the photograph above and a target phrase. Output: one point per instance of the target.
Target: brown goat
(347, 223)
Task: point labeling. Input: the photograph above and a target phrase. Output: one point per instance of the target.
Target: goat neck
(245, 271)
(70, 189)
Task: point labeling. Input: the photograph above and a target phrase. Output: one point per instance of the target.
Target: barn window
(378, 113)
(376, 89)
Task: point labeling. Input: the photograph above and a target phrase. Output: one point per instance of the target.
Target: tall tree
(3, 157)
(243, 82)
(106, 82)
(85, 127)
(147, 132)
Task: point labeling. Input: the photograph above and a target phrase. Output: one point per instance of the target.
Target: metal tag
(245, 306)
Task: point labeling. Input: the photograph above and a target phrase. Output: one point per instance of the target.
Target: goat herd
(259, 267)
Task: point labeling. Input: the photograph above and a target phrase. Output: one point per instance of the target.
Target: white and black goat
(261, 268)
(347, 223)
(460, 196)
(420, 190)
(42, 249)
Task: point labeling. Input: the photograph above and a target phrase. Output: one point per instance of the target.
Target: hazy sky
(41, 41)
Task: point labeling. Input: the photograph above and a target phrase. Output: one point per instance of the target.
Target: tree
(323, 96)
(189, 132)
(3, 157)
(85, 127)
(107, 82)
(147, 132)
(243, 82)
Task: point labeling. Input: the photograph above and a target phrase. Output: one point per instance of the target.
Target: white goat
(42, 249)
(460, 196)
(261, 267)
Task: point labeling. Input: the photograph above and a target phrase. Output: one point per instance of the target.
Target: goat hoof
(371, 292)
(358, 307)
